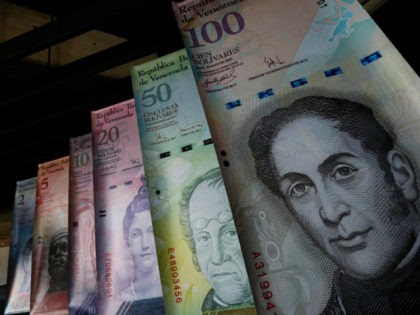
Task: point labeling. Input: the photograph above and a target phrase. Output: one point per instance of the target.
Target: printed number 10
(226, 26)
(81, 159)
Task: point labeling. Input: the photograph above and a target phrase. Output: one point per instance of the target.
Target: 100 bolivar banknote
(20, 259)
(200, 258)
(49, 283)
(318, 115)
(128, 273)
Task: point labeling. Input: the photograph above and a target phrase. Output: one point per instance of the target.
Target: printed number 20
(219, 28)
(108, 135)
(163, 94)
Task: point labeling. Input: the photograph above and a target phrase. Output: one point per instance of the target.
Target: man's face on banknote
(141, 242)
(338, 193)
(217, 246)
(57, 259)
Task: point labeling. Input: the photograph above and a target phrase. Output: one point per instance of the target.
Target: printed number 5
(44, 183)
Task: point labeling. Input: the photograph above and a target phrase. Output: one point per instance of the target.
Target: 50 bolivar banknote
(318, 115)
(200, 258)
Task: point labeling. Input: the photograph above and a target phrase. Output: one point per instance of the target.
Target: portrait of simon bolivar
(208, 227)
(353, 189)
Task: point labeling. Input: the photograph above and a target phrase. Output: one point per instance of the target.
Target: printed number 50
(163, 94)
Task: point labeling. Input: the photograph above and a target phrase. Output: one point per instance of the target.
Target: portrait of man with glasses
(209, 229)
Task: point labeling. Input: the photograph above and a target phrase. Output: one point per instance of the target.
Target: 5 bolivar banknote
(317, 115)
(49, 276)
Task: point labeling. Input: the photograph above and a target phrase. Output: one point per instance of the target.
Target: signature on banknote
(224, 79)
(107, 169)
(273, 61)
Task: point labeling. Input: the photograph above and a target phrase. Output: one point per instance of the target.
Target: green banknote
(200, 259)
(317, 115)
(49, 276)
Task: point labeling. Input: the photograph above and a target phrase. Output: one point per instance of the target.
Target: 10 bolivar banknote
(200, 258)
(318, 115)
(82, 246)
(128, 273)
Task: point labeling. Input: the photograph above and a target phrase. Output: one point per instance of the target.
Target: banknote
(20, 255)
(200, 258)
(49, 278)
(317, 116)
(128, 273)
(82, 248)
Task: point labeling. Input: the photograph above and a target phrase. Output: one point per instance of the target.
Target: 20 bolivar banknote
(128, 274)
(318, 115)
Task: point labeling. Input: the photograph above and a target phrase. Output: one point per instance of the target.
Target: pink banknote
(128, 274)
(82, 250)
(49, 285)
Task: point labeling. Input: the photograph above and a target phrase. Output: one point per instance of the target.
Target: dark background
(42, 105)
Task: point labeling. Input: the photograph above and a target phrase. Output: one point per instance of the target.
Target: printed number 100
(231, 26)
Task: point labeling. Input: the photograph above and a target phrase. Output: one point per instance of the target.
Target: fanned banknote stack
(49, 283)
(20, 258)
(128, 274)
(82, 248)
(200, 258)
(315, 118)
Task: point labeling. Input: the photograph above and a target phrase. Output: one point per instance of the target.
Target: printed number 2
(163, 94)
(21, 199)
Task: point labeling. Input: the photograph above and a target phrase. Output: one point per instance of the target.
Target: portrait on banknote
(208, 227)
(352, 187)
(139, 237)
(57, 261)
(56, 294)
